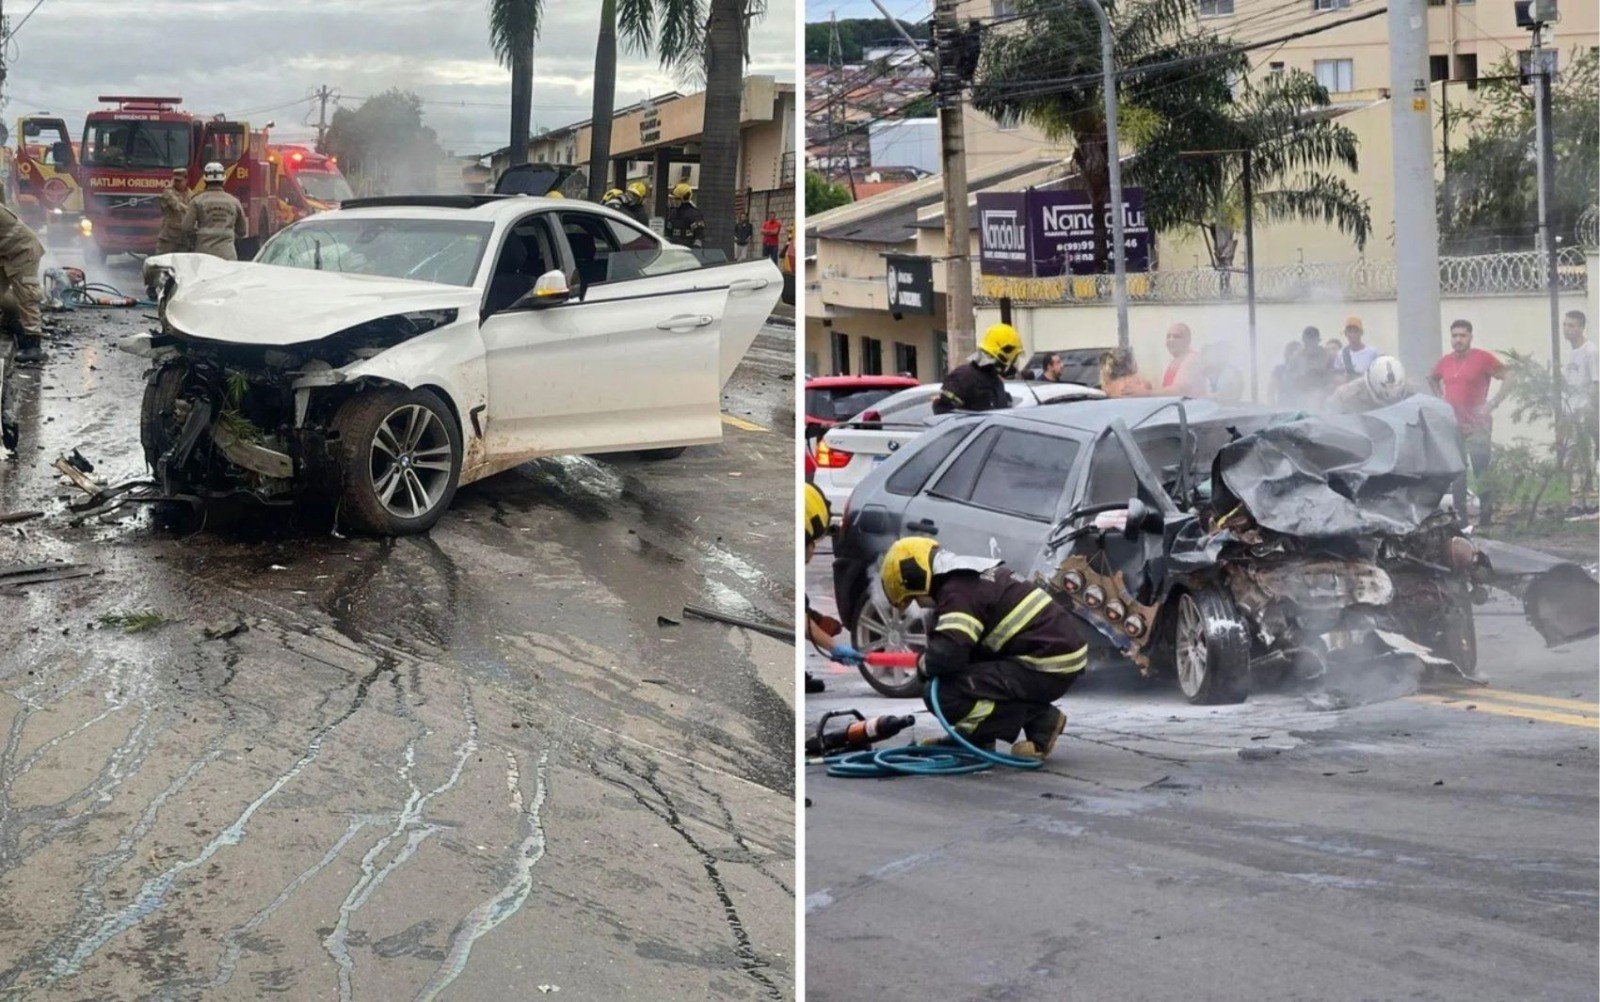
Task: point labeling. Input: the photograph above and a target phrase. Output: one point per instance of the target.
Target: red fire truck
(41, 181)
(129, 153)
(308, 181)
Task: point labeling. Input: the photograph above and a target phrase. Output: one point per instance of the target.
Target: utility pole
(1250, 269)
(950, 70)
(960, 335)
(1415, 218)
(1119, 249)
(1547, 238)
(5, 41)
(323, 95)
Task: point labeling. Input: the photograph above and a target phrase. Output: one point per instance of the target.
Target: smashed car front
(253, 361)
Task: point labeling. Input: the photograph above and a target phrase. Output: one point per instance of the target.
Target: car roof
(487, 208)
(1094, 416)
(858, 382)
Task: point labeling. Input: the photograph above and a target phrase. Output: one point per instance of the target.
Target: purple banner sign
(1041, 233)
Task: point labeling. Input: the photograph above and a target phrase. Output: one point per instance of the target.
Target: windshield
(136, 145)
(324, 187)
(423, 250)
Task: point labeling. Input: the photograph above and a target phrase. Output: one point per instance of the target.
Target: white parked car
(850, 450)
(383, 354)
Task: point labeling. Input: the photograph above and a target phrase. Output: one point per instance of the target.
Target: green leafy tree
(383, 146)
(1490, 195)
(513, 28)
(1292, 148)
(1045, 68)
(822, 194)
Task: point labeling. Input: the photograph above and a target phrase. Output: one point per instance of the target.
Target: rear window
(1017, 472)
(843, 403)
(910, 477)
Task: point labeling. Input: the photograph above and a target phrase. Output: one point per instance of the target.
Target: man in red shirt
(1184, 377)
(1462, 378)
(770, 231)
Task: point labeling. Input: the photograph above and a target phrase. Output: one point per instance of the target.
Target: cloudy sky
(263, 59)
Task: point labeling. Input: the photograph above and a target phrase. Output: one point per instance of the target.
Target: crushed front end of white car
(376, 397)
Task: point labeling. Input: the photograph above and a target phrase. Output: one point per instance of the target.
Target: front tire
(158, 427)
(884, 628)
(399, 455)
(1210, 648)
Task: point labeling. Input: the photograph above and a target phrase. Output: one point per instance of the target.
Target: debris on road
(73, 468)
(224, 629)
(770, 629)
(136, 622)
(668, 621)
(12, 517)
(21, 575)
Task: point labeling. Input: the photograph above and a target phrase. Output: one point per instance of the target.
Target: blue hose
(922, 760)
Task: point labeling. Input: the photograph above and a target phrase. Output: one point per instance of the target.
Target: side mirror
(61, 153)
(1142, 518)
(550, 290)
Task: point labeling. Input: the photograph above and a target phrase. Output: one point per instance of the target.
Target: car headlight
(86, 226)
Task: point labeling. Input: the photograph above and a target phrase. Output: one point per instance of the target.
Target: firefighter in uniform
(215, 218)
(633, 202)
(686, 225)
(612, 199)
(175, 199)
(20, 296)
(1002, 649)
(980, 385)
(824, 632)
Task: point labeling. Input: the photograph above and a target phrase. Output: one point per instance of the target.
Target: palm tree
(513, 28)
(716, 41)
(1292, 142)
(1046, 71)
(635, 18)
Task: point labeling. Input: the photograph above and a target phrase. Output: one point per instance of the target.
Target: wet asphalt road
(1436, 845)
(470, 765)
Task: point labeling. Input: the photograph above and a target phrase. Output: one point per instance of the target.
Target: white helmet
(1386, 379)
(214, 172)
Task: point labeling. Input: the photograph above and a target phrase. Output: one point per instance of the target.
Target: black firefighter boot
(30, 350)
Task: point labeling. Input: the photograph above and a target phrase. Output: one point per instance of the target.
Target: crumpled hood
(240, 302)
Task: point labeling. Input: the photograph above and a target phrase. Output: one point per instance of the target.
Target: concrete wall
(1500, 323)
(919, 332)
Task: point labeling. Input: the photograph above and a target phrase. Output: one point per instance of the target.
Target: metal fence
(1509, 274)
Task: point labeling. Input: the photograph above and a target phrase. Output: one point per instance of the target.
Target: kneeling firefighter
(1002, 649)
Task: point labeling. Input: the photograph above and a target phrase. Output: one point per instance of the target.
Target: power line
(25, 18)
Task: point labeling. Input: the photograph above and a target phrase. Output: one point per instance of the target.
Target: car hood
(240, 302)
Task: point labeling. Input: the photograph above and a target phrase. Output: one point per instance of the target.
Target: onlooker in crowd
(1119, 375)
(1462, 378)
(1582, 373)
(1281, 388)
(1354, 357)
(1224, 380)
(741, 237)
(1185, 376)
(770, 232)
(1045, 367)
(1311, 375)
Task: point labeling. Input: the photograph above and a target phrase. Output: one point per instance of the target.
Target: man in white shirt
(1355, 358)
(1582, 374)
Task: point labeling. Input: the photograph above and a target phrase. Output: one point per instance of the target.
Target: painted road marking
(741, 423)
(1507, 710)
(1529, 699)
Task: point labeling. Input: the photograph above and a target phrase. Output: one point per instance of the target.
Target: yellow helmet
(682, 192)
(640, 188)
(817, 515)
(908, 570)
(1001, 343)
(555, 194)
(611, 196)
